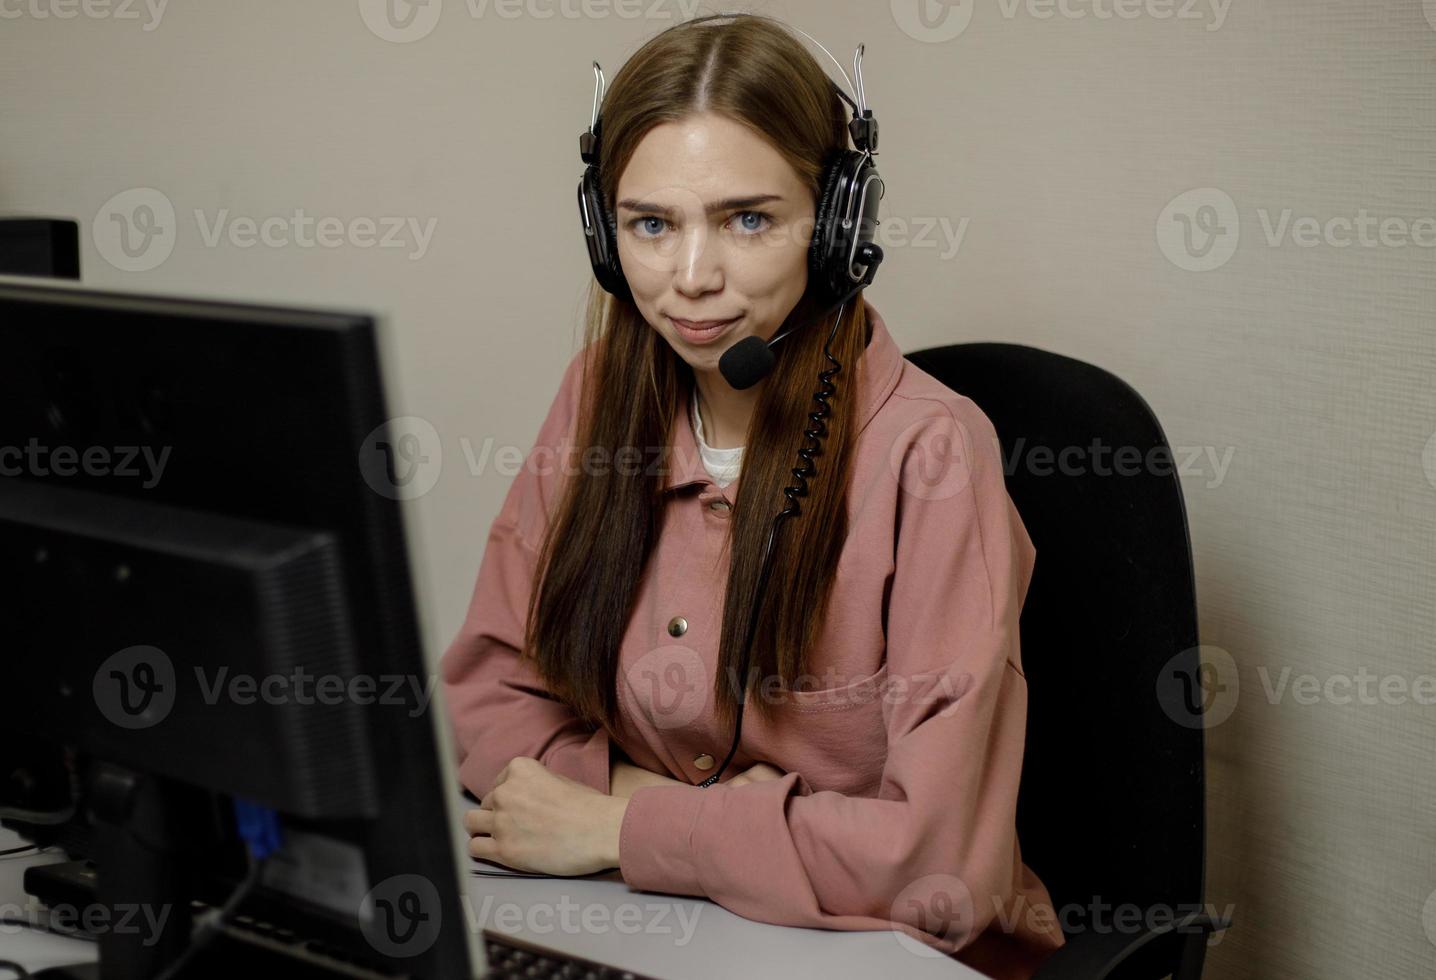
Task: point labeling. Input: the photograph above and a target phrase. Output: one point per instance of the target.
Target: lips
(702, 331)
(702, 324)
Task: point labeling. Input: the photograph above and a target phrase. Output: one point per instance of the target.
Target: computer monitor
(48, 247)
(205, 599)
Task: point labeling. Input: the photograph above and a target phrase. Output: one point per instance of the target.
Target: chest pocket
(837, 737)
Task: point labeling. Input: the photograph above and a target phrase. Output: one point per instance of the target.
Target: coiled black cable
(813, 436)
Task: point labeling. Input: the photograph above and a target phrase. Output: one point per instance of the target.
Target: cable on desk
(212, 925)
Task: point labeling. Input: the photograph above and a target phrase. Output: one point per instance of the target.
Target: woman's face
(713, 225)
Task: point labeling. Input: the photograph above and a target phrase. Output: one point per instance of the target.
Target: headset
(842, 259)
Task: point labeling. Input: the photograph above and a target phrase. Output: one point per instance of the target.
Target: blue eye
(761, 224)
(637, 223)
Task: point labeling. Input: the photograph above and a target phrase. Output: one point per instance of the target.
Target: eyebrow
(713, 207)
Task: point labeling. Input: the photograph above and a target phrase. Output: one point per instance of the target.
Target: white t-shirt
(722, 464)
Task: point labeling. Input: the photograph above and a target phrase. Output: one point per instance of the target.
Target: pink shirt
(902, 758)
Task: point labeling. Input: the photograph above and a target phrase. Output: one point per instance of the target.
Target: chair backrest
(1111, 804)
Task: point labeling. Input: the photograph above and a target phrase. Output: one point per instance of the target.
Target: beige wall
(1054, 145)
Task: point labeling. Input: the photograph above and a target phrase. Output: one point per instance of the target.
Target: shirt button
(677, 626)
(719, 505)
(704, 762)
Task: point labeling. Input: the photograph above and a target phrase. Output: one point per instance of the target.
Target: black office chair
(1111, 804)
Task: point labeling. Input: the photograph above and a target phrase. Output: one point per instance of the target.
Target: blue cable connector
(259, 827)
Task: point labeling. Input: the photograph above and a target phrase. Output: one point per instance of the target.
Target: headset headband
(863, 127)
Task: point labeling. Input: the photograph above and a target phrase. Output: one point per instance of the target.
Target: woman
(876, 781)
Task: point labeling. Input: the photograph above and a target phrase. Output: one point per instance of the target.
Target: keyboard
(510, 957)
(243, 935)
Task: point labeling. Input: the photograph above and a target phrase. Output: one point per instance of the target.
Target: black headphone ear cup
(867, 189)
(620, 281)
(820, 250)
(602, 219)
(612, 234)
(603, 250)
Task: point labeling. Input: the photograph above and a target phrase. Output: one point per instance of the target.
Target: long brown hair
(752, 70)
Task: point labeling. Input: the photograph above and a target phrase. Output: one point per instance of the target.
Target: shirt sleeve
(499, 707)
(934, 855)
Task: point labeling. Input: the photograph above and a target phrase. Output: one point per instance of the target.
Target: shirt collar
(877, 377)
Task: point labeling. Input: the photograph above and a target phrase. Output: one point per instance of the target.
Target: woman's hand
(536, 820)
(759, 772)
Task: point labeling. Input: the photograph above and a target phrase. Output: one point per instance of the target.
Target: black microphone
(747, 362)
(751, 359)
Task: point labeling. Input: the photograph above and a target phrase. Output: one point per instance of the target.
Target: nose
(699, 268)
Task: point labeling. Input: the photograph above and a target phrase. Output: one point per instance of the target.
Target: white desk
(599, 919)
(31, 949)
